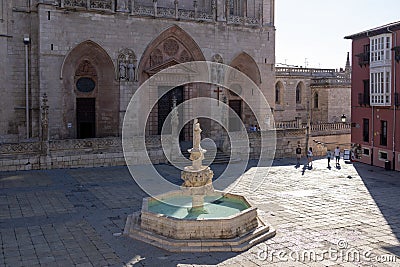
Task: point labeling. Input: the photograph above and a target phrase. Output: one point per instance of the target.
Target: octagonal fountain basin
(180, 207)
(226, 217)
(227, 223)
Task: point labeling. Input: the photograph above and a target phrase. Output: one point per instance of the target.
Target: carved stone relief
(156, 57)
(127, 66)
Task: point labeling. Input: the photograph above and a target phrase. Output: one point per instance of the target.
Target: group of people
(329, 156)
(254, 128)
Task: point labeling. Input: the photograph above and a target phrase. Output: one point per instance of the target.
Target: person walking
(337, 155)
(298, 155)
(329, 156)
(310, 157)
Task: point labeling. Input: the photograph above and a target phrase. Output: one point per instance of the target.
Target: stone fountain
(201, 219)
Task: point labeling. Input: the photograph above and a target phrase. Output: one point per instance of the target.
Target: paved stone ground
(74, 218)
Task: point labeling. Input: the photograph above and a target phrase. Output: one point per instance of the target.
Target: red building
(375, 100)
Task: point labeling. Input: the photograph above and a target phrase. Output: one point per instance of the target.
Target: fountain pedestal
(197, 183)
(227, 222)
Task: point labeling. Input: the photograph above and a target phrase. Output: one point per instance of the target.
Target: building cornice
(388, 28)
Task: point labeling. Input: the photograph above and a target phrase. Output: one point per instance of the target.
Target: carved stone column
(195, 6)
(227, 10)
(132, 6)
(44, 138)
(214, 10)
(176, 2)
(155, 7)
(244, 10)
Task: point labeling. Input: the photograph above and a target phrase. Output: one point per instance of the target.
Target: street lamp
(343, 118)
(27, 41)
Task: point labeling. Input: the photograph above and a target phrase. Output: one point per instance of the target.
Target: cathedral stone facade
(89, 57)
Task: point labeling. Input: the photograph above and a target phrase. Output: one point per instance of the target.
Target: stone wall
(332, 87)
(98, 152)
(55, 30)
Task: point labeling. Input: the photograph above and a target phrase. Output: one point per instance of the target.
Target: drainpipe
(372, 141)
(394, 103)
(26, 43)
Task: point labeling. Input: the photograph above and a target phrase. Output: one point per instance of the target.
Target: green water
(214, 209)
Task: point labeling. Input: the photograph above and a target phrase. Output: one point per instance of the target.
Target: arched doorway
(171, 47)
(246, 64)
(90, 95)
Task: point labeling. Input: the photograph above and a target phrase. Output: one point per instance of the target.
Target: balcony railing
(363, 59)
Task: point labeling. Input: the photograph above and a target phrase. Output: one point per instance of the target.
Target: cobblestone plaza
(346, 216)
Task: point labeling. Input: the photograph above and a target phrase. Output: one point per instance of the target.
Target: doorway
(165, 105)
(86, 117)
(234, 123)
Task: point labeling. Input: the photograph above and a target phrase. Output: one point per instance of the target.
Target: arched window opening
(298, 94)
(316, 100)
(277, 94)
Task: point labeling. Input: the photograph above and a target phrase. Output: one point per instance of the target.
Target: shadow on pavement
(385, 192)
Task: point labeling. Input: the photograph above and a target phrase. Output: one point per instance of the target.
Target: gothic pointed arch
(279, 93)
(90, 103)
(172, 46)
(299, 92)
(246, 64)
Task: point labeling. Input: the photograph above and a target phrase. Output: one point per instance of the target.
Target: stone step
(241, 243)
(220, 157)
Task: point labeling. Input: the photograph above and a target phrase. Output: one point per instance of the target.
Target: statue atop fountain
(228, 222)
(197, 178)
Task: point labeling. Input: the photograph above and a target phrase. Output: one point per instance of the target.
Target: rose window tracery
(171, 47)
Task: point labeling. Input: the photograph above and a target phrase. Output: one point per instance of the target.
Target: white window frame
(369, 152)
(380, 84)
(381, 50)
(381, 152)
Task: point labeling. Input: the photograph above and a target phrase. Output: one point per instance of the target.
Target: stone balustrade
(94, 152)
(329, 127)
(330, 81)
(89, 4)
(304, 71)
(287, 124)
(151, 9)
(319, 128)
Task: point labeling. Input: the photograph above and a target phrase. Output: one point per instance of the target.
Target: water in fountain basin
(215, 209)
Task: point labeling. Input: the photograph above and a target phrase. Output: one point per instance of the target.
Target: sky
(311, 32)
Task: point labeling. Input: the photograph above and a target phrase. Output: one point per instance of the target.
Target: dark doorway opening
(86, 117)
(165, 105)
(234, 123)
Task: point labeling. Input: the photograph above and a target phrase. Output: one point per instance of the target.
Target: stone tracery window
(171, 47)
(185, 57)
(236, 7)
(85, 77)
